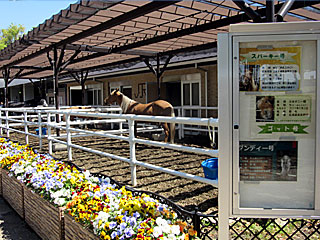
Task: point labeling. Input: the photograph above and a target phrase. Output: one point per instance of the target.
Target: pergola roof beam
(28, 67)
(195, 29)
(16, 75)
(123, 29)
(87, 48)
(248, 10)
(145, 9)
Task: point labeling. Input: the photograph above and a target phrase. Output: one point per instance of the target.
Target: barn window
(190, 89)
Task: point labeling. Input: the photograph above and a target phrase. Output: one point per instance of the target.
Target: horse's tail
(172, 127)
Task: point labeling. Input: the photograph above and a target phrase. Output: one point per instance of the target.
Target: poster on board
(287, 115)
(270, 69)
(268, 160)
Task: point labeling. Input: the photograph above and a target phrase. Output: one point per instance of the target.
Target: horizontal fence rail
(46, 118)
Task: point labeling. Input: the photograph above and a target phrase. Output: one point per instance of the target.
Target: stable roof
(94, 34)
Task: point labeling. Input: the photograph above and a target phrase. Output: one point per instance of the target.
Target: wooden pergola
(91, 35)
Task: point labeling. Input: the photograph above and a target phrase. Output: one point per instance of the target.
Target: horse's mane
(125, 103)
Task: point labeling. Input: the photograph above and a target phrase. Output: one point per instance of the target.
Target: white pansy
(182, 237)
(157, 231)
(161, 222)
(166, 228)
(59, 201)
(19, 170)
(175, 229)
(171, 237)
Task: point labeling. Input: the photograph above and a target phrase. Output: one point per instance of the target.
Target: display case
(271, 73)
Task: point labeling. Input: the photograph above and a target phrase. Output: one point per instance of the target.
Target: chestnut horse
(265, 105)
(156, 108)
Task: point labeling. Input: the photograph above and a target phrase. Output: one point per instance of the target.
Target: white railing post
(132, 143)
(120, 128)
(40, 130)
(67, 117)
(7, 123)
(49, 133)
(180, 125)
(25, 115)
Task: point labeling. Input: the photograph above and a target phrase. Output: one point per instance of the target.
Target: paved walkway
(12, 227)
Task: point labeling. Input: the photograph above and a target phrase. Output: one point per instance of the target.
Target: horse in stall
(156, 108)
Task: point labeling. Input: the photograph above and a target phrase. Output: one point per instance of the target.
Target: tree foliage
(9, 35)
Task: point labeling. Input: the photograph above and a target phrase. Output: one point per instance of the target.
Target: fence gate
(269, 113)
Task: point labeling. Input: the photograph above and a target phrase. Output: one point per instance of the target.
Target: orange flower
(192, 232)
(182, 225)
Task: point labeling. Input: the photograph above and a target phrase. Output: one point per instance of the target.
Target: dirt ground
(182, 191)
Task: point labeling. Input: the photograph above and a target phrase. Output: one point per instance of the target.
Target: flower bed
(74, 230)
(103, 209)
(44, 218)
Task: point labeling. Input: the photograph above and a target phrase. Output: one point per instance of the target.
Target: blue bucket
(44, 131)
(210, 168)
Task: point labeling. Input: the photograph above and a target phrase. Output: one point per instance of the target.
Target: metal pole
(183, 112)
(1, 129)
(67, 117)
(49, 133)
(180, 125)
(158, 75)
(121, 128)
(225, 134)
(56, 84)
(270, 10)
(133, 166)
(40, 130)
(7, 123)
(6, 73)
(26, 127)
(284, 10)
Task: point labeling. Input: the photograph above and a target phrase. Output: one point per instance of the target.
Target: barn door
(190, 95)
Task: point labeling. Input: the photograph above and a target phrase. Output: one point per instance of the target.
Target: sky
(29, 13)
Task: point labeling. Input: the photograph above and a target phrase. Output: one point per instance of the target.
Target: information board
(277, 99)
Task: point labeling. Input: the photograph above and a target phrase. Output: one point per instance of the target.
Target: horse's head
(266, 107)
(115, 96)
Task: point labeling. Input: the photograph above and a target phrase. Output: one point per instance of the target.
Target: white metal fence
(12, 119)
(182, 128)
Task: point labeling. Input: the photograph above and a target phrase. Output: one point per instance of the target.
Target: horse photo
(156, 108)
(265, 109)
(248, 78)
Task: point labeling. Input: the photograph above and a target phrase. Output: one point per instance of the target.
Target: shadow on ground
(12, 226)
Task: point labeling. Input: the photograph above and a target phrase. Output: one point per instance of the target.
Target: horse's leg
(172, 132)
(166, 131)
